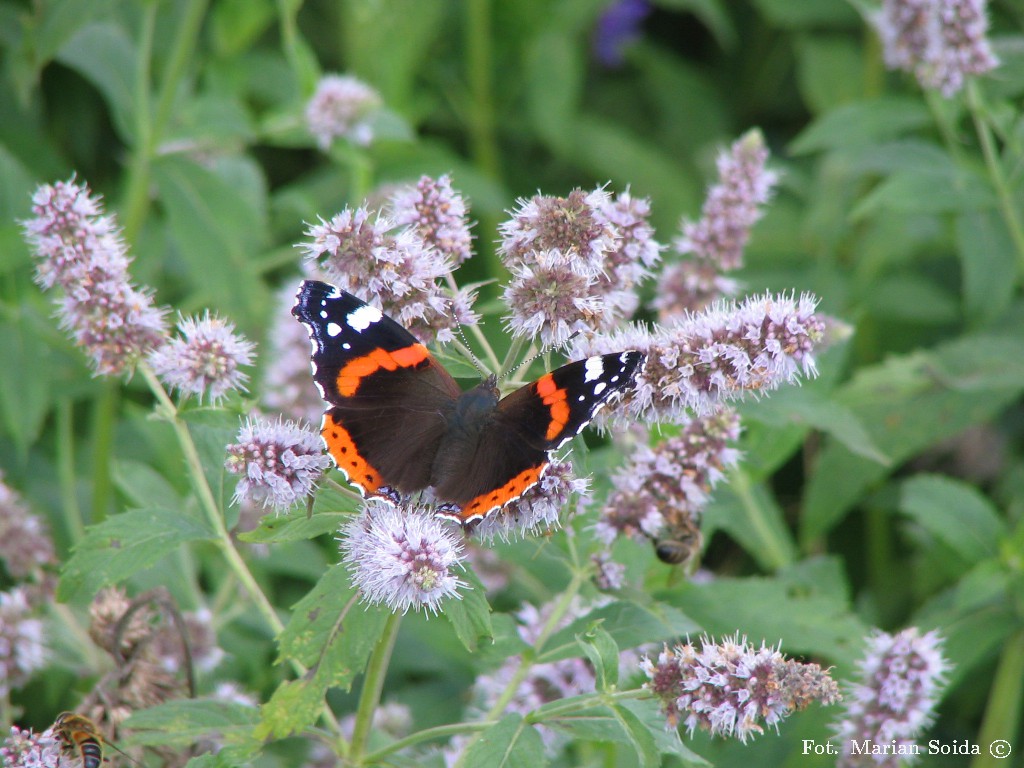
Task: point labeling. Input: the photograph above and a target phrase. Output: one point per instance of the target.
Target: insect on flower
(81, 738)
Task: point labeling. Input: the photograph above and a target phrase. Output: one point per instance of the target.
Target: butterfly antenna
(468, 350)
(541, 353)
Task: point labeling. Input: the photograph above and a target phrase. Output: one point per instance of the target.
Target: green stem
(373, 684)
(104, 418)
(428, 734)
(1003, 713)
(150, 128)
(479, 70)
(995, 170)
(581, 703)
(167, 409)
(511, 357)
(65, 450)
(776, 553)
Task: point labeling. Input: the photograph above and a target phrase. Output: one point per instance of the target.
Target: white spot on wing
(361, 319)
(594, 368)
(333, 329)
(600, 387)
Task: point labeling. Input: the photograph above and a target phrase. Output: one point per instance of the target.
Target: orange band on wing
(554, 399)
(345, 454)
(352, 375)
(499, 497)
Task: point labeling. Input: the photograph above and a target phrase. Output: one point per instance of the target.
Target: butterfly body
(398, 421)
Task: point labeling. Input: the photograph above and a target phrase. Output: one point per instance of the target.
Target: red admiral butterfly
(397, 422)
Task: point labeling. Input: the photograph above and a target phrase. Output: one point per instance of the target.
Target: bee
(80, 737)
(680, 548)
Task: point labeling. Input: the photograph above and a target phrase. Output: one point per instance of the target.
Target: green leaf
(628, 623)
(787, 608)
(293, 707)
(955, 513)
(215, 231)
(212, 430)
(470, 617)
(989, 264)
(927, 190)
(907, 404)
(143, 485)
(811, 409)
(639, 735)
(866, 122)
(104, 54)
(603, 652)
(799, 14)
(752, 516)
(332, 632)
(829, 68)
(554, 80)
(25, 396)
(294, 526)
(182, 723)
(511, 743)
(912, 298)
(123, 545)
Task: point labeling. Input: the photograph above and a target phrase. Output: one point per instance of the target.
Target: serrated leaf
(955, 513)
(630, 624)
(639, 735)
(511, 743)
(907, 404)
(183, 723)
(866, 122)
(294, 526)
(989, 264)
(104, 54)
(470, 616)
(603, 652)
(123, 545)
(293, 707)
(331, 631)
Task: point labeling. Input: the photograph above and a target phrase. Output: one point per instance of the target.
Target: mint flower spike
(941, 42)
(662, 490)
(714, 245)
(402, 557)
(80, 250)
(393, 269)
(205, 360)
(732, 689)
(342, 107)
(702, 361)
(280, 462)
(437, 213)
(22, 639)
(26, 749)
(901, 677)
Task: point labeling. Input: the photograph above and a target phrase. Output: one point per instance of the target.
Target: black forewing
(396, 418)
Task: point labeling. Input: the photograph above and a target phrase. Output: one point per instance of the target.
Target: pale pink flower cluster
(342, 107)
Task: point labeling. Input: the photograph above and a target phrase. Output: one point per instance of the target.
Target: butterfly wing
(531, 422)
(388, 397)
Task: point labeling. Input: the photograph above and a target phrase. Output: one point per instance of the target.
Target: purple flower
(22, 649)
(280, 462)
(731, 688)
(940, 41)
(619, 26)
(661, 491)
(26, 546)
(630, 260)
(538, 509)
(715, 243)
(342, 106)
(395, 271)
(701, 361)
(80, 250)
(901, 677)
(403, 557)
(205, 359)
(26, 749)
(437, 213)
